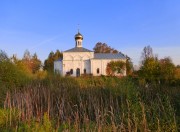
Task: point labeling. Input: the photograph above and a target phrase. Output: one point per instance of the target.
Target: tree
(115, 67)
(129, 66)
(3, 56)
(29, 63)
(36, 63)
(167, 69)
(177, 73)
(58, 55)
(150, 68)
(147, 53)
(178, 66)
(27, 56)
(103, 48)
(49, 62)
(14, 59)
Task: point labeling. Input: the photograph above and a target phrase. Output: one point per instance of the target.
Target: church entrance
(77, 72)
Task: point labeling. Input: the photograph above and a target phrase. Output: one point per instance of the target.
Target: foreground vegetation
(89, 104)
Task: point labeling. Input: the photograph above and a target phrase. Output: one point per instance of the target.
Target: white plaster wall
(75, 55)
(74, 60)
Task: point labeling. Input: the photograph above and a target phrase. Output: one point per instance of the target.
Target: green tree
(129, 66)
(49, 62)
(58, 55)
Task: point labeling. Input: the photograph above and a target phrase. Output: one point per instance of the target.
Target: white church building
(79, 60)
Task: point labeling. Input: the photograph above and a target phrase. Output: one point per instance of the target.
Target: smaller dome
(78, 36)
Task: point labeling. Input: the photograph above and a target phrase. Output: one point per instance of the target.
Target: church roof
(109, 56)
(78, 49)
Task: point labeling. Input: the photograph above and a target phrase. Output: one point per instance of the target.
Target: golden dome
(78, 36)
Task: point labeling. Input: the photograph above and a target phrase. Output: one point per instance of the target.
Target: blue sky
(43, 26)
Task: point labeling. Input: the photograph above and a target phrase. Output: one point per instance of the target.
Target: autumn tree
(177, 72)
(36, 63)
(150, 68)
(49, 62)
(31, 61)
(167, 69)
(104, 48)
(115, 67)
(29, 64)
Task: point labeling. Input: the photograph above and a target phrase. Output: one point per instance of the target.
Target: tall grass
(89, 104)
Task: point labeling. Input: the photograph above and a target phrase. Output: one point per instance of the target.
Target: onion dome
(78, 36)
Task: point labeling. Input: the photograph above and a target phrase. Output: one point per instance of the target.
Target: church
(78, 61)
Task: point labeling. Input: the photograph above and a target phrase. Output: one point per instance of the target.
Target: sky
(42, 26)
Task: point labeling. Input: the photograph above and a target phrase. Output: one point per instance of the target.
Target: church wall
(74, 64)
(77, 55)
(82, 61)
(74, 60)
(101, 64)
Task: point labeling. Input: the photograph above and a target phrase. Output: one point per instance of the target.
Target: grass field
(89, 104)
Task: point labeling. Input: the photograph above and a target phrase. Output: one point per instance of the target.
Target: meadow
(57, 103)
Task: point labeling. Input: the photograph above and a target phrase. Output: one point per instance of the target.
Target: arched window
(77, 72)
(97, 70)
(84, 71)
(71, 71)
